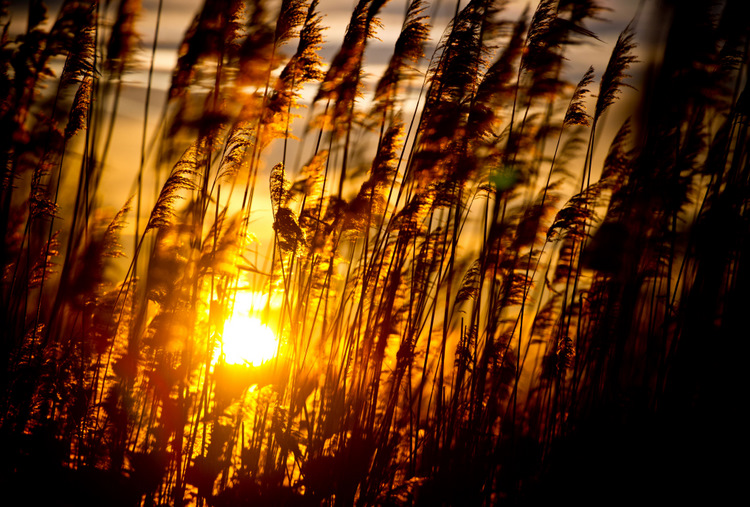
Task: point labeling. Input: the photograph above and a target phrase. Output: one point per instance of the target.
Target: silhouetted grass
(490, 285)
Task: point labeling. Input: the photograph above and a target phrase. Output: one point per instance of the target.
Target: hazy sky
(177, 15)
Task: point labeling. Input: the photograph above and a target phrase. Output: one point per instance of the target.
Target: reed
(473, 288)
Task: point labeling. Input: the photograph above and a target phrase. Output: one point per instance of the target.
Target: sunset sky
(118, 184)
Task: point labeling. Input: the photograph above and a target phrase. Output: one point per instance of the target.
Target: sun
(246, 340)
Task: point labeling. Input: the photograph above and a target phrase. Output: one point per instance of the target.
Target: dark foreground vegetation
(517, 291)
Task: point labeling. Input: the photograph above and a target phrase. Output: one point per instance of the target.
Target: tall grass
(488, 285)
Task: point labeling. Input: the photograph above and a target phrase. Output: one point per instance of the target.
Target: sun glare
(246, 340)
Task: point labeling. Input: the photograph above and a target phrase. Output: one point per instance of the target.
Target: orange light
(246, 340)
